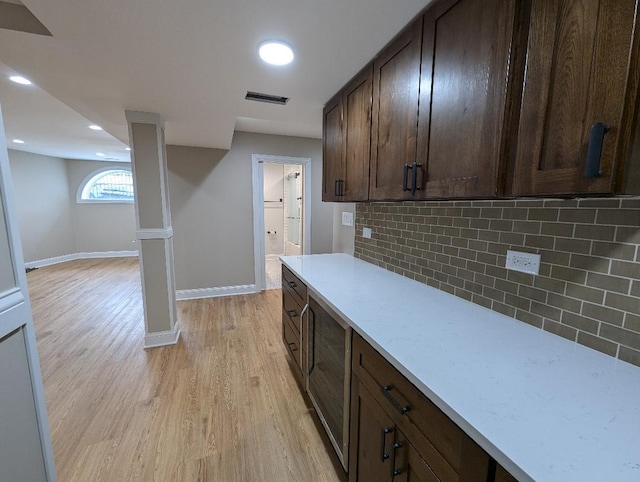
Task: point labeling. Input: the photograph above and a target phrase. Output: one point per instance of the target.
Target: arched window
(108, 185)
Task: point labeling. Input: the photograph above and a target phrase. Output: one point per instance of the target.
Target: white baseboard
(162, 338)
(196, 294)
(71, 257)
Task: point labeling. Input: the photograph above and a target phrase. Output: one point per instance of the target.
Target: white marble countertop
(545, 408)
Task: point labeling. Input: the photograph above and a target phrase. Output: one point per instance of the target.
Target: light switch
(347, 218)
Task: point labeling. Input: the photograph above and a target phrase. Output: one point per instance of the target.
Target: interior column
(154, 232)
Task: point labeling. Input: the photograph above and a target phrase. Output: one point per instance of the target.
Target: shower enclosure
(293, 210)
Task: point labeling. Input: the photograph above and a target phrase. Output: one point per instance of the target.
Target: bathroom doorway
(281, 221)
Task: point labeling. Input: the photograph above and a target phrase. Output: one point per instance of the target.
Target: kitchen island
(544, 408)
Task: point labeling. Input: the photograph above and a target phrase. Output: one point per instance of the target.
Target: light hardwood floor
(221, 405)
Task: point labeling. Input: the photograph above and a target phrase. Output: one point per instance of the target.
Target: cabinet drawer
(297, 287)
(291, 306)
(291, 340)
(440, 440)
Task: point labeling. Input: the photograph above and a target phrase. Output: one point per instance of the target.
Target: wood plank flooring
(221, 405)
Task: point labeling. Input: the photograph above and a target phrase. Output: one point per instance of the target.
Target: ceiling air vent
(270, 99)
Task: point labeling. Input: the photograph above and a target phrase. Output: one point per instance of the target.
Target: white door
(25, 443)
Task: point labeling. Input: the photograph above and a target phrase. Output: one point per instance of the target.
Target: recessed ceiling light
(18, 141)
(275, 52)
(18, 79)
(95, 127)
(100, 154)
(127, 148)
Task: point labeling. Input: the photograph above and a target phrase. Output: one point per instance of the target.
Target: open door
(25, 443)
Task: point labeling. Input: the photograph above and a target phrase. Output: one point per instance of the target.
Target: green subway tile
(619, 217)
(549, 284)
(560, 203)
(621, 302)
(526, 227)
(467, 295)
(573, 245)
(501, 225)
(632, 322)
(530, 203)
(482, 301)
(580, 322)
(557, 229)
(625, 252)
(484, 280)
(532, 293)
(568, 274)
(493, 293)
(631, 203)
(608, 283)
(473, 287)
(627, 338)
(628, 270)
(529, 318)
(492, 236)
(635, 289)
(545, 242)
(564, 302)
(491, 213)
(602, 313)
(599, 344)
(512, 239)
(585, 293)
(506, 286)
(559, 329)
(554, 257)
(517, 301)
(514, 213)
(590, 263)
(629, 355)
(599, 203)
(521, 278)
(504, 309)
(546, 311)
(543, 214)
(585, 216)
(495, 271)
(595, 232)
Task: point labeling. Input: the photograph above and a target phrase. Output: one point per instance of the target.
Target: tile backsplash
(588, 289)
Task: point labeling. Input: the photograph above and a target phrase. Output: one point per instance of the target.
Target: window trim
(95, 173)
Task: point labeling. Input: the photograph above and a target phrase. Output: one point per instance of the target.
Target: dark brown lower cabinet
(381, 452)
(397, 434)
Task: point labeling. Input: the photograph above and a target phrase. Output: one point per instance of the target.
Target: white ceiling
(190, 61)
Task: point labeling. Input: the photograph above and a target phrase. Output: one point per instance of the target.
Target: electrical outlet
(524, 262)
(347, 219)
(366, 233)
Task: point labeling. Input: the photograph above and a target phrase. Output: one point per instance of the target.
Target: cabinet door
(409, 465)
(356, 101)
(332, 149)
(372, 438)
(576, 76)
(466, 53)
(396, 79)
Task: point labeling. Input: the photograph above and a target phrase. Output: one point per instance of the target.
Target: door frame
(257, 175)
(15, 307)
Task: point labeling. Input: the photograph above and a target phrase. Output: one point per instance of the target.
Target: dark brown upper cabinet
(332, 148)
(579, 98)
(347, 118)
(394, 130)
(468, 72)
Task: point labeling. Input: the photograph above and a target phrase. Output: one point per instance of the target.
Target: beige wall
(212, 208)
(99, 227)
(42, 201)
(343, 236)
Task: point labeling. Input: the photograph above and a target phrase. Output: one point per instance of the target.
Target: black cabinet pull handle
(292, 347)
(336, 189)
(386, 390)
(414, 177)
(405, 177)
(341, 190)
(594, 150)
(293, 284)
(395, 471)
(383, 452)
(292, 313)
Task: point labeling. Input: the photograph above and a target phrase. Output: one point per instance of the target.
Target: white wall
(212, 208)
(42, 202)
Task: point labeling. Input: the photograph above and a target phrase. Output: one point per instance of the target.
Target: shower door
(294, 208)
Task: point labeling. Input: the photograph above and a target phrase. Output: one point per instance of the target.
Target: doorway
(281, 193)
